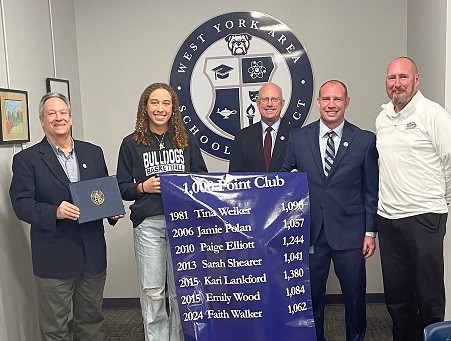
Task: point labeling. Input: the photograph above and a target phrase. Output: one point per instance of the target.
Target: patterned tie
(267, 145)
(330, 152)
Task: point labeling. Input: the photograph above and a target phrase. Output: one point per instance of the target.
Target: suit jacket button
(321, 208)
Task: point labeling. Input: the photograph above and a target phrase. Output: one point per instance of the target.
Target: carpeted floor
(126, 324)
(123, 324)
(378, 323)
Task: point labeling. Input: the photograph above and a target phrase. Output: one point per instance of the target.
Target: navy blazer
(247, 152)
(38, 187)
(346, 201)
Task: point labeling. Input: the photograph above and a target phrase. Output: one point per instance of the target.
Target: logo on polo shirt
(222, 64)
(411, 126)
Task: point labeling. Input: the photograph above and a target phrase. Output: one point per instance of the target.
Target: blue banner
(240, 247)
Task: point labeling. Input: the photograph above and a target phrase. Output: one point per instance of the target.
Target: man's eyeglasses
(266, 100)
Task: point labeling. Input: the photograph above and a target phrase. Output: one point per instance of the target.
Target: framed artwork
(14, 112)
(58, 85)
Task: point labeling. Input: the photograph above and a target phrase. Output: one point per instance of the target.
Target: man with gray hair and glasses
(261, 146)
(69, 259)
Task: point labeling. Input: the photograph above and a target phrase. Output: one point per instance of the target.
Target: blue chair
(440, 331)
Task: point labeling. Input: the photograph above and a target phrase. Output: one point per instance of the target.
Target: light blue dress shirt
(274, 130)
(69, 162)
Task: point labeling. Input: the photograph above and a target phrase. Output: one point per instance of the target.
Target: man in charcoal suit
(261, 146)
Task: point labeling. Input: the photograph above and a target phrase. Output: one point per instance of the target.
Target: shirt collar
(58, 150)
(390, 108)
(275, 126)
(323, 129)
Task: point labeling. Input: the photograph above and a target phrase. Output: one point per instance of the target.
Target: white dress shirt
(323, 130)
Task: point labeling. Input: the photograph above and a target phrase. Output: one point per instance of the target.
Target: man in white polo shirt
(414, 145)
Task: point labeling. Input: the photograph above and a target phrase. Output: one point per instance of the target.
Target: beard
(402, 95)
(399, 99)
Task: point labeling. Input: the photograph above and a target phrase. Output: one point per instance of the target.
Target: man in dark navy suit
(261, 146)
(69, 259)
(341, 165)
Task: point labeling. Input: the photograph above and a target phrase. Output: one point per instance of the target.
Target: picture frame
(15, 125)
(58, 85)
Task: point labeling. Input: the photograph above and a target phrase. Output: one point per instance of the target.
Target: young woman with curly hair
(159, 144)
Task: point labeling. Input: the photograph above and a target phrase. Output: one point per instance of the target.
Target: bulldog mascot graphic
(238, 43)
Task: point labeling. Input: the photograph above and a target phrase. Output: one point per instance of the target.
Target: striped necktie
(329, 157)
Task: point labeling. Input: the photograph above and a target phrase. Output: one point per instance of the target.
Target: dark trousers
(55, 298)
(349, 267)
(412, 267)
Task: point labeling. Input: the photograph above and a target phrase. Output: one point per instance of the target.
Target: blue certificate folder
(97, 198)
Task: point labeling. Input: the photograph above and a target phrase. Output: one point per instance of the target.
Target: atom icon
(257, 69)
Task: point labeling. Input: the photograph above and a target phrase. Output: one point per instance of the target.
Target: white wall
(26, 60)
(66, 57)
(428, 43)
(124, 46)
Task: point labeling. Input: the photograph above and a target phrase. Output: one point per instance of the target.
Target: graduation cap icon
(222, 71)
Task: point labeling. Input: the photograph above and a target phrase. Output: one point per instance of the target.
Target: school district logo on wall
(220, 67)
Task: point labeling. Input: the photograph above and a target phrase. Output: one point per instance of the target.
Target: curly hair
(176, 130)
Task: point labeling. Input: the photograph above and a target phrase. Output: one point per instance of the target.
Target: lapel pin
(345, 144)
(84, 166)
(282, 138)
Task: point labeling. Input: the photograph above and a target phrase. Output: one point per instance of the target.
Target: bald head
(407, 62)
(270, 87)
(334, 82)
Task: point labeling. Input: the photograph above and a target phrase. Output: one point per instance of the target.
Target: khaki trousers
(55, 299)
